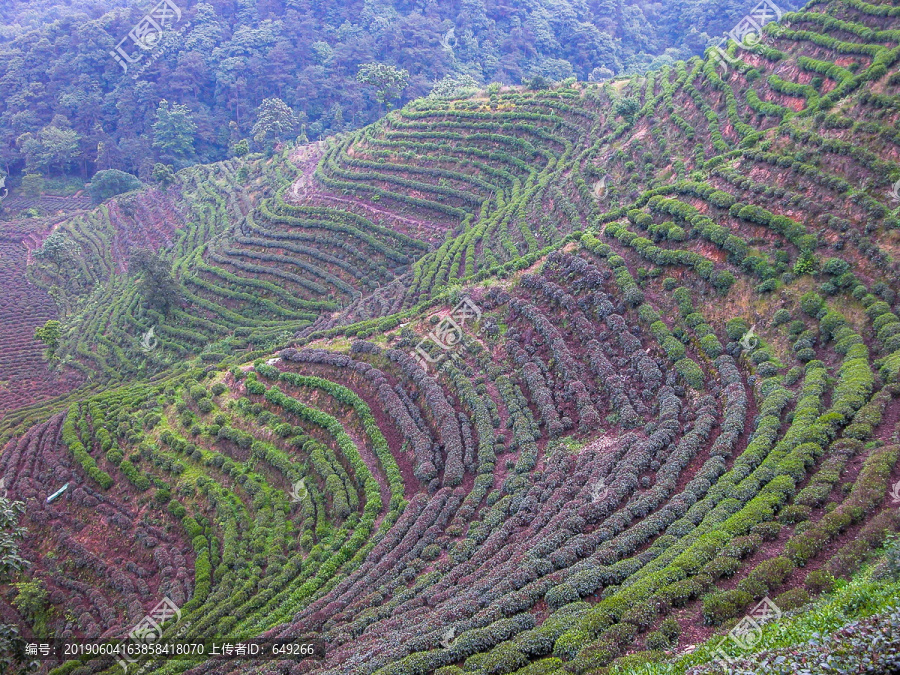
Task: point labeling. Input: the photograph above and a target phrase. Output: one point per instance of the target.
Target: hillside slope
(519, 383)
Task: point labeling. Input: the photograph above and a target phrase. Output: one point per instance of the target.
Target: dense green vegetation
(223, 59)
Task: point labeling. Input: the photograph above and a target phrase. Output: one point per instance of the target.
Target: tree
(241, 148)
(389, 81)
(50, 334)
(54, 146)
(173, 131)
(601, 74)
(156, 284)
(32, 185)
(275, 121)
(455, 86)
(627, 108)
(12, 651)
(31, 601)
(538, 82)
(111, 182)
(164, 174)
(11, 562)
(12, 647)
(57, 248)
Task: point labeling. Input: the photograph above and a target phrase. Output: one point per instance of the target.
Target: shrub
(820, 581)
(110, 182)
(691, 372)
(782, 316)
(670, 628)
(792, 599)
(835, 267)
(32, 185)
(722, 280)
(811, 303)
(806, 354)
(431, 552)
(642, 615)
(657, 640)
(795, 513)
(561, 595)
(722, 566)
(768, 531)
(768, 575)
(737, 328)
(685, 590)
(711, 346)
(723, 605)
(767, 286)
(674, 349)
(892, 556)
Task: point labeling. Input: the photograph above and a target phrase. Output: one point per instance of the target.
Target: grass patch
(862, 597)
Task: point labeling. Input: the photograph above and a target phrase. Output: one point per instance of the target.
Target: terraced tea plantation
(532, 382)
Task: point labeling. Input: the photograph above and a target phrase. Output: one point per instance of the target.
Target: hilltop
(524, 382)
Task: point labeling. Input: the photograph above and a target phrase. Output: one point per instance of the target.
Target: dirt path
(306, 158)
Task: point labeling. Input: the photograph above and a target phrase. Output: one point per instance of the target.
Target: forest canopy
(68, 106)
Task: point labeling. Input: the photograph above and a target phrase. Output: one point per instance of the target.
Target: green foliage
(31, 599)
(163, 174)
(173, 131)
(32, 185)
(49, 334)
(484, 181)
(627, 108)
(781, 316)
(835, 267)
(388, 81)
(111, 182)
(57, 248)
(737, 328)
(275, 121)
(53, 146)
(241, 148)
(156, 282)
(691, 372)
(722, 605)
(806, 263)
(12, 563)
(812, 303)
(891, 556)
